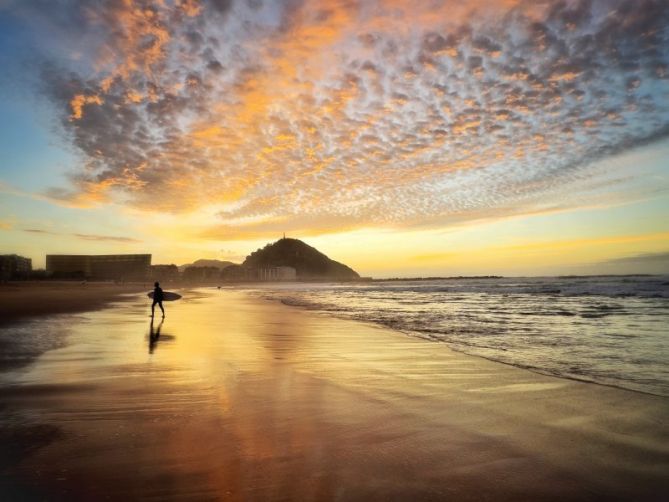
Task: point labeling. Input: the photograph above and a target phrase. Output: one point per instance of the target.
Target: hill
(306, 260)
(219, 264)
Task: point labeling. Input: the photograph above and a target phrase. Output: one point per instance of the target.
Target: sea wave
(608, 330)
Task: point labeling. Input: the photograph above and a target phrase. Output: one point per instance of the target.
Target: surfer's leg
(153, 307)
(160, 304)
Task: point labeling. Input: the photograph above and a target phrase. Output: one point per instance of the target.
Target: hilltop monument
(309, 263)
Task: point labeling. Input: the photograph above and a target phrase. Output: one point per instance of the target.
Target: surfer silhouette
(157, 298)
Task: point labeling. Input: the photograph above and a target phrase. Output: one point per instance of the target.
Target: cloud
(648, 259)
(61, 196)
(648, 263)
(230, 255)
(359, 113)
(591, 241)
(111, 238)
(39, 231)
(88, 237)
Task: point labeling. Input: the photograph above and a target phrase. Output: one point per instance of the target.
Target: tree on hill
(219, 264)
(308, 262)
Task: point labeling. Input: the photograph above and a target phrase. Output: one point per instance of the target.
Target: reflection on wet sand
(255, 400)
(154, 334)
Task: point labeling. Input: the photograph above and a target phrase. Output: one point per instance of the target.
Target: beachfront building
(277, 274)
(13, 266)
(240, 273)
(164, 273)
(195, 274)
(118, 267)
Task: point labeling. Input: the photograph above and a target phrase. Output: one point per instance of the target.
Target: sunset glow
(401, 138)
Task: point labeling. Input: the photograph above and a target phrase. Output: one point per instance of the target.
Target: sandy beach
(232, 397)
(20, 300)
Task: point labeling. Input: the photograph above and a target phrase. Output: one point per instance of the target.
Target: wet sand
(21, 300)
(245, 399)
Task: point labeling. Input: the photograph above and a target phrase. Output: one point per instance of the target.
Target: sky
(403, 138)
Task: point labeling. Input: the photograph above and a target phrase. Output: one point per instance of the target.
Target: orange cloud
(561, 245)
(77, 103)
(390, 113)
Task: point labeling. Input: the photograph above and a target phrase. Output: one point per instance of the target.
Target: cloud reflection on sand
(255, 400)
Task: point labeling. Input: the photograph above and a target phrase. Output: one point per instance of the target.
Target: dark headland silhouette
(308, 262)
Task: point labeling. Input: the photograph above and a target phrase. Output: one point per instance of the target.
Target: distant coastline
(438, 278)
(474, 277)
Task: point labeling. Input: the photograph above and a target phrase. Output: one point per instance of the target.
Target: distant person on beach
(157, 298)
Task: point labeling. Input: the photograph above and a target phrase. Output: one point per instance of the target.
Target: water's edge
(608, 331)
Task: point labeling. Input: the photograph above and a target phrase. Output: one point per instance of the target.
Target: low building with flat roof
(240, 273)
(68, 265)
(13, 266)
(118, 267)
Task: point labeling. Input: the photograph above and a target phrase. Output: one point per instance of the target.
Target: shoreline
(249, 398)
(420, 336)
(32, 300)
(68, 297)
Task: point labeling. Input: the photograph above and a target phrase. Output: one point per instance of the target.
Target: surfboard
(168, 296)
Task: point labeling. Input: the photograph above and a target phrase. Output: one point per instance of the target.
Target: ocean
(611, 330)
